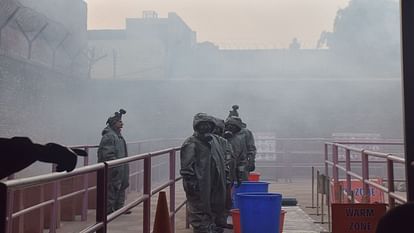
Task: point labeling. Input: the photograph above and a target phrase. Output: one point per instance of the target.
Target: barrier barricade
(14, 210)
(367, 183)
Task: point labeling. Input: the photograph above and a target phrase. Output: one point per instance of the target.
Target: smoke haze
(65, 85)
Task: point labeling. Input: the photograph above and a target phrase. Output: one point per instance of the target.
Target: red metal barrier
(82, 181)
(367, 183)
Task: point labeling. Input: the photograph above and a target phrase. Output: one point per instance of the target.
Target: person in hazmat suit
(237, 139)
(113, 146)
(227, 153)
(250, 144)
(204, 176)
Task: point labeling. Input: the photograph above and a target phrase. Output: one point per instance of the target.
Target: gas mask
(204, 130)
(227, 134)
(218, 131)
(230, 130)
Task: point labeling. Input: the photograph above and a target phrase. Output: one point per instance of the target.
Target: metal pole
(365, 177)
(348, 177)
(101, 198)
(322, 213)
(84, 214)
(317, 192)
(139, 165)
(313, 187)
(54, 214)
(328, 197)
(407, 38)
(390, 177)
(172, 189)
(10, 208)
(352, 197)
(55, 206)
(335, 173)
(147, 192)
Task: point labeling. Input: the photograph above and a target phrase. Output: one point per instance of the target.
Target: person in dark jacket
(21, 152)
(397, 219)
(204, 175)
(113, 146)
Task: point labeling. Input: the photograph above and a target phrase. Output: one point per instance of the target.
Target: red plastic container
(235, 214)
(282, 220)
(254, 176)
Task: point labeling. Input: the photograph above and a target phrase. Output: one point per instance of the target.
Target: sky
(230, 23)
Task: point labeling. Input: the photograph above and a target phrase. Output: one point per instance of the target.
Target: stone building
(146, 49)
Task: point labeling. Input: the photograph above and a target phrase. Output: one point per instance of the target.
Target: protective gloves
(251, 165)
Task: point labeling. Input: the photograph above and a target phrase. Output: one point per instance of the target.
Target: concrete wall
(131, 59)
(35, 101)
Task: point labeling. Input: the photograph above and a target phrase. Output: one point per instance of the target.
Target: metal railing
(385, 158)
(7, 189)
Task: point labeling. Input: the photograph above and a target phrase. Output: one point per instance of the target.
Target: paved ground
(299, 219)
(301, 189)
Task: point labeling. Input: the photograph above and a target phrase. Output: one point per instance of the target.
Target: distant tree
(367, 30)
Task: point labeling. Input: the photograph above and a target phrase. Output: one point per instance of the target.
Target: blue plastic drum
(249, 187)
(259, 212)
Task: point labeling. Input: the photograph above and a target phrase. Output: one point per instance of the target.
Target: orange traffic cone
(162, 222)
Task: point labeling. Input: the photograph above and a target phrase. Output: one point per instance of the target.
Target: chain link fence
(31, 35)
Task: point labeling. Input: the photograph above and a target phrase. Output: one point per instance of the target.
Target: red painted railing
(7, 189)
(332, 160)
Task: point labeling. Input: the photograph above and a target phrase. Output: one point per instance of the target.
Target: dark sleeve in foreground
(16, 154)
(19, 152)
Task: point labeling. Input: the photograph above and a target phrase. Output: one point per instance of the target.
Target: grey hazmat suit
(227, 149)
(238, 141)
(113, 146)
(229, 165)
(204, 177)
(250, 146)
